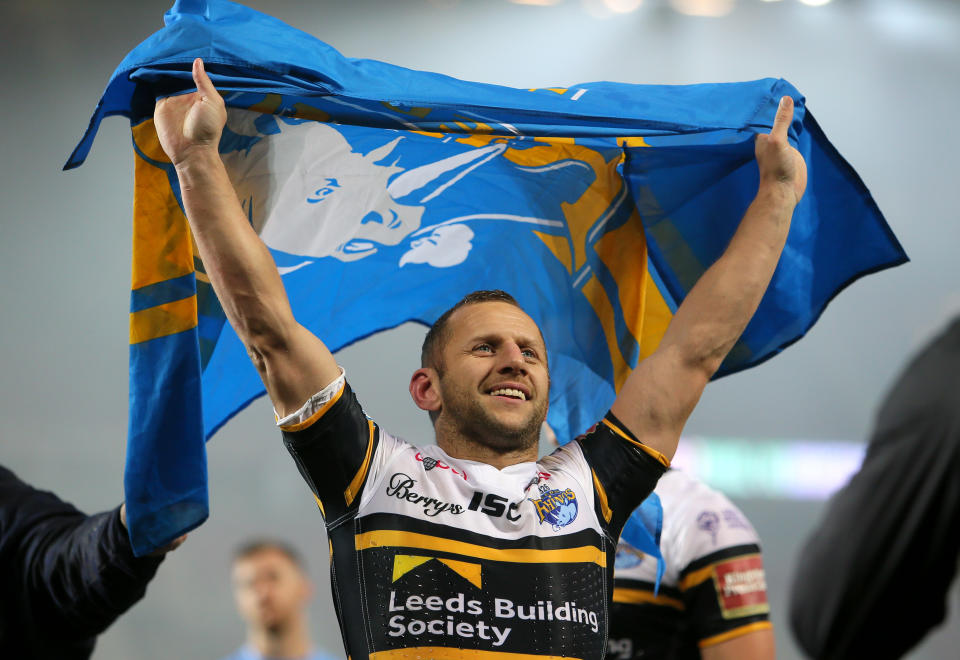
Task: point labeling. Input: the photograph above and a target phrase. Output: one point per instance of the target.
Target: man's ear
(425, 389)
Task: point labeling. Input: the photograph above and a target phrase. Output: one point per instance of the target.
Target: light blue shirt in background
(247, 652)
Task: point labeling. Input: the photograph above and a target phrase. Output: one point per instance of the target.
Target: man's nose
(511, 356)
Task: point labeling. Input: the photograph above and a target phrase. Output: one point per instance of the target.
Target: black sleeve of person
(624, 469)
(873, 577)
(61, 571)
(725, 595)
(333, 450)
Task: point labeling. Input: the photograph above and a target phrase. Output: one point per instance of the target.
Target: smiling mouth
(509, 392)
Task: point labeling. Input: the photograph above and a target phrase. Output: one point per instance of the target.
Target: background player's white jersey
(713, 588)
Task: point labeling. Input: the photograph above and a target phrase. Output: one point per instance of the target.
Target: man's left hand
(780, 163)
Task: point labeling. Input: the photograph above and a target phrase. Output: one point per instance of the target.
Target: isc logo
(494, 506)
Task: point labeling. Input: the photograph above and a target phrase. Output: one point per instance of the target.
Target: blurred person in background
(874, 575)
(64, 576)
(712, 599)
(272, 592)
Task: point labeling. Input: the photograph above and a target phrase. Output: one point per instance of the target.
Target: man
(712, 599)
(471, 546)
(873, 578)
(272, 592)
(64, 576)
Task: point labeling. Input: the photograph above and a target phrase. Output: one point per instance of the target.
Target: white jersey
(437, 557)
(713, 587)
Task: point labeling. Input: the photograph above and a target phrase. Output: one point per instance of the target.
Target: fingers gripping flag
(386, 194)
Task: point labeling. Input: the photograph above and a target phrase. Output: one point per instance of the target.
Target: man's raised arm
(662, 391)
(292, 362)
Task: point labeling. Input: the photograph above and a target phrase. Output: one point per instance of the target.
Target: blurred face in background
(271, 590)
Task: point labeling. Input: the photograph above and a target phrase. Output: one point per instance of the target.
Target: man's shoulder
(684, 496)
(700, 522)
(568, 459)
(611, 440)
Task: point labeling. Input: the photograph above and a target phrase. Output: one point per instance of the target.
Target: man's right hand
(293, 364)
(189, 122)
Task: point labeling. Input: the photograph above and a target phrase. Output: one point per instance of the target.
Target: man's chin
(511, 434)
(500, 428)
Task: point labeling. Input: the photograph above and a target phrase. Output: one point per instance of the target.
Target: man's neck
(292, 642)
(459, 447)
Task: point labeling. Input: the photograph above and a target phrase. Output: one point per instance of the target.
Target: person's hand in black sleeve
(66, 576)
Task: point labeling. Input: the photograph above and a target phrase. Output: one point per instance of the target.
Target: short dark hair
(256, 546)
(431, 353)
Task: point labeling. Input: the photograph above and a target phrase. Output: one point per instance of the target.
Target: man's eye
(485, 348)
(530, 353)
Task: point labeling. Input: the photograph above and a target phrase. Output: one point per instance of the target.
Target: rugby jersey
(435, 557)
(713, 587)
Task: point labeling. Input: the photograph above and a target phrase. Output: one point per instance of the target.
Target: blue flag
(386, 194)
(641, 533)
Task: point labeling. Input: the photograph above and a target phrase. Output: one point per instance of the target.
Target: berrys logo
(401, 487)
(556, 507)
(741, 586)
(429, 463)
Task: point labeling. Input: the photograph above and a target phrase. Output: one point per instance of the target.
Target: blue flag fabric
(642, 532)
(386, 194)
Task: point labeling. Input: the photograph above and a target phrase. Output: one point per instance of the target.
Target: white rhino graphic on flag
(308, 191)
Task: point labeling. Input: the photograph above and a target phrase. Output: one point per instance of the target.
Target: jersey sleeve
(333, 447)
(722, 581)
(624, 470)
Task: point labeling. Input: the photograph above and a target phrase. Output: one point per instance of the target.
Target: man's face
(270, 589)
(494, 383)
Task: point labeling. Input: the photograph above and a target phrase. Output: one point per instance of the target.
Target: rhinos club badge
(556, 507)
